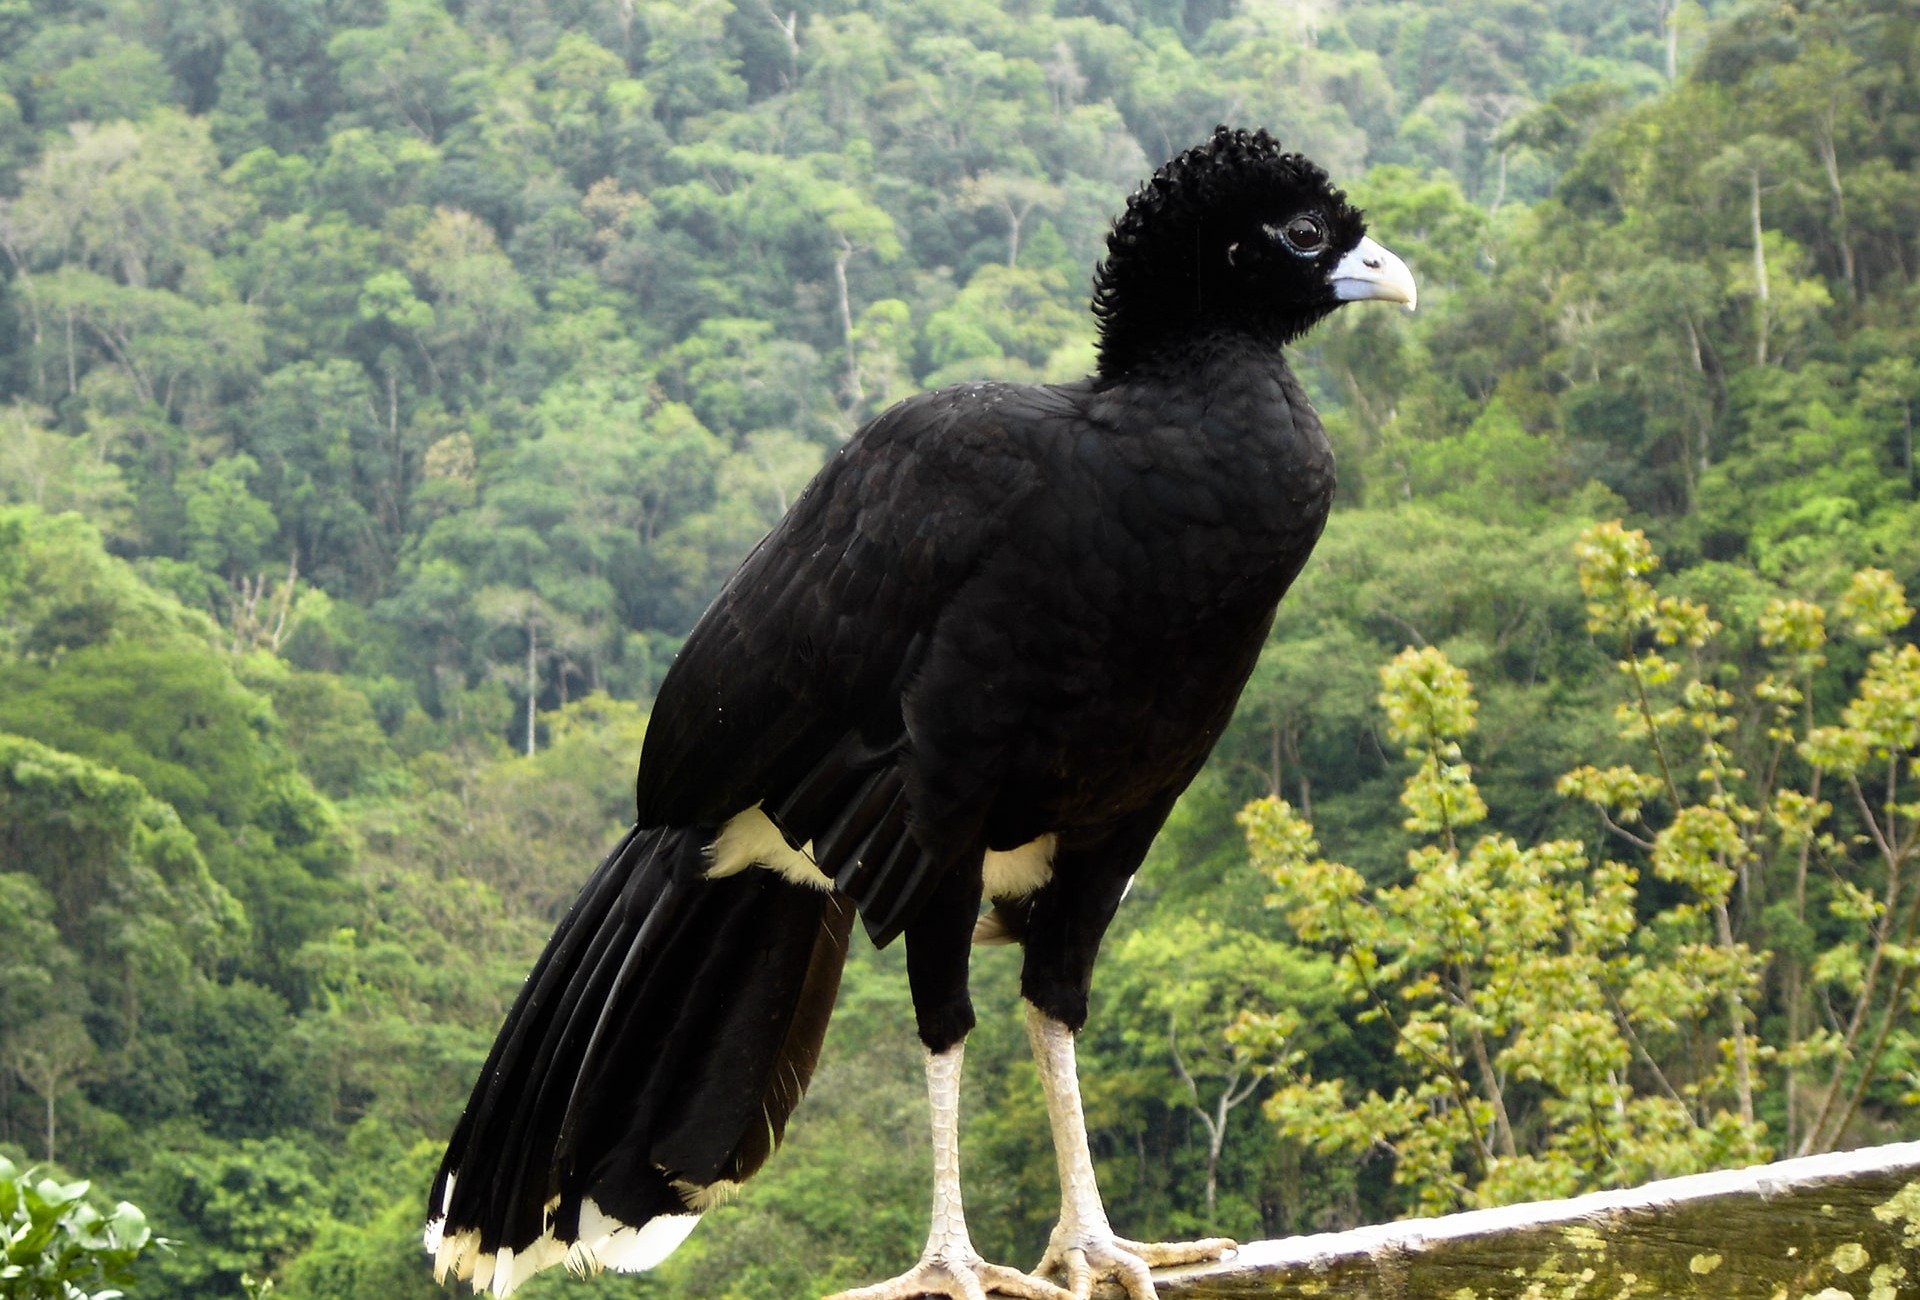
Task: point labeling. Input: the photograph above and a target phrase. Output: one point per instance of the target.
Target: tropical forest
(386, 386)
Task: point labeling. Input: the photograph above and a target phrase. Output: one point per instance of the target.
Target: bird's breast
(1200, 509)
(1129, 607)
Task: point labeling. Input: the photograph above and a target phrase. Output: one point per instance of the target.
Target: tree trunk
(1232, 1093)
(1760, 294)
(533, 674)
(1496, 1095)
(1830, 163)
(1796, 990)
(1700, 456)
(624, 10)
(856, 394)
(1016, 217)
(1215, 1122)
(1906, 419)
(789, 30)
(1290, 751)
(1737, 1016)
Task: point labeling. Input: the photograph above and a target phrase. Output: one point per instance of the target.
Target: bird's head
(1234, 235)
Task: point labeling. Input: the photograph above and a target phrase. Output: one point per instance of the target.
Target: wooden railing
(1833, 1227)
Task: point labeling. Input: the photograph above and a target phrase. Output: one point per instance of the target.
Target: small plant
(57, 1246)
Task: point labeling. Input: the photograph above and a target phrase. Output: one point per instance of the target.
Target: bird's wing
(788, 692)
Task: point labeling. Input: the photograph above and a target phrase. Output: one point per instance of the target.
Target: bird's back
(1034, 603)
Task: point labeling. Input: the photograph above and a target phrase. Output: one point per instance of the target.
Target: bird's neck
(1233, 477)
(1168, 341)
(1215, 366)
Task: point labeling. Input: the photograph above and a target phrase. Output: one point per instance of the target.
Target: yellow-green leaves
(1621, 789)
(1745, 812)
(1430, 705)
(1429, 702)
(1694, 850)
(1501, 964)
(1875, 605)
(1558, 1028)
(1614, 562)
(1796, 625)
(1318, 896)
(1882, 722)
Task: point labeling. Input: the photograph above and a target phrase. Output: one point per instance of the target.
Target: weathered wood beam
(1833, 1227)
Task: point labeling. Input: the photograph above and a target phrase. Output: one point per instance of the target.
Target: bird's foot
(959, 1277)
(1087, 1257)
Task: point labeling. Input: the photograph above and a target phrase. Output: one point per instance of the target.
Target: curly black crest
(1194, 248)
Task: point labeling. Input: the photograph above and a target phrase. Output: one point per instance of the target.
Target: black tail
(649, 1064)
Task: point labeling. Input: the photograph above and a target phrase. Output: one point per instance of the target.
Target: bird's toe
(958, 1279)
(1162, 1254)
(1087, 1259)
(1001, 1280)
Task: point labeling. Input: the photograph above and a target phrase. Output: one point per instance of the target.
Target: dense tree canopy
(390, 383)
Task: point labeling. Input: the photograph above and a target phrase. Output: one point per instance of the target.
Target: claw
(958, 1279)
(1085, 1260)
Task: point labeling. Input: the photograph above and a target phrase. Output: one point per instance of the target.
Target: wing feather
(789, 691)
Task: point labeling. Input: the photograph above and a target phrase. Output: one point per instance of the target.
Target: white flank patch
(1018, 872)
(750, 839)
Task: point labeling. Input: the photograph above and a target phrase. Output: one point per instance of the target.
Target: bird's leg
(1083, 1245)
(950, 1266)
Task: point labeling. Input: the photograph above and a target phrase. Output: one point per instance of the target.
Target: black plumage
(979, 659)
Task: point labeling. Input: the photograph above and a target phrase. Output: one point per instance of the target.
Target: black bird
(975, 664)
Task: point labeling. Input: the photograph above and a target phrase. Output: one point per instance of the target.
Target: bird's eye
(1303, 234)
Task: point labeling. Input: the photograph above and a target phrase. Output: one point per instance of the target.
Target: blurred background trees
(389, 386)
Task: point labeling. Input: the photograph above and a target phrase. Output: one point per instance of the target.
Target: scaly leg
(950, 1266)
(1083, 1245)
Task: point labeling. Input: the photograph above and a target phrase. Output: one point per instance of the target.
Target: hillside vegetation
(388, 386)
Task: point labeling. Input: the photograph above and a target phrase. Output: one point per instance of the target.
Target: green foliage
(58, 1246)
(115, 915)
(1201, 1020)
(239, 1208)
(353, 1258)
(1560, 1027)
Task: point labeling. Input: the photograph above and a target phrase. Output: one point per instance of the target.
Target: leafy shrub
(57, 1246)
